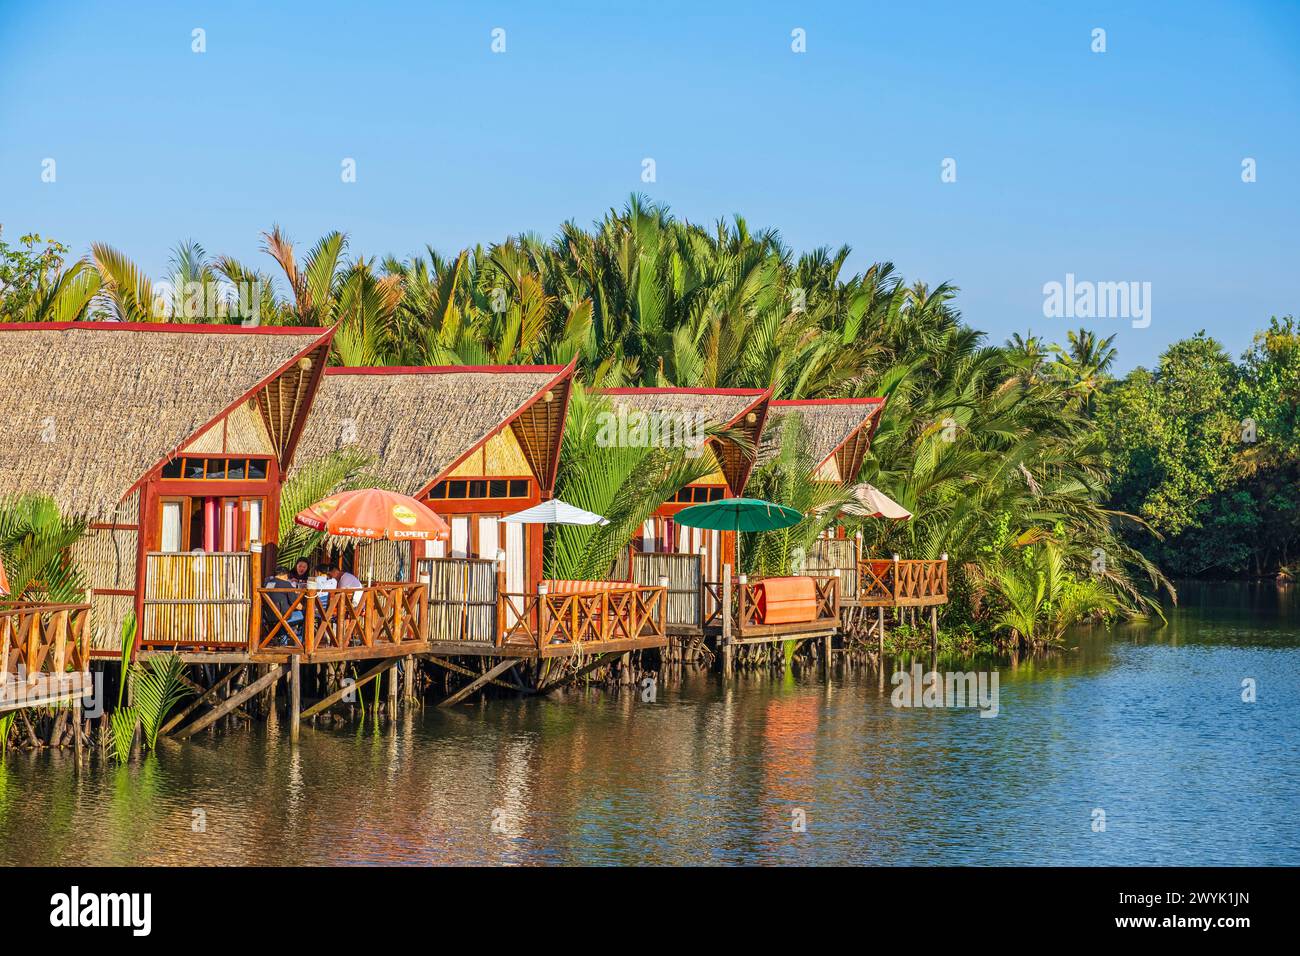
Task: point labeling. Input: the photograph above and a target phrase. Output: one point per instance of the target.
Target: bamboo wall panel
(107, 613)
(210, 442)
(685, 584)
(827, 554)
(462, 598)
(392, 560)
(197, 599)
(107, 558)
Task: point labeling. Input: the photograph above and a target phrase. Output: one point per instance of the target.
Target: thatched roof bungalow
(674, 412)
(477, 442)
(837, 432)
(164, 437)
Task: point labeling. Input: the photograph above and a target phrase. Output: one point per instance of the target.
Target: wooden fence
(197, 599)
(886, 583)
(605, 612)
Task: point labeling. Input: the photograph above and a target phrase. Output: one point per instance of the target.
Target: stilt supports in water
(267, 680)
(480, 681)
(329, 700)
(295, 698)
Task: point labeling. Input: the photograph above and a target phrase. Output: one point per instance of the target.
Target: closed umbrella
(375, 514)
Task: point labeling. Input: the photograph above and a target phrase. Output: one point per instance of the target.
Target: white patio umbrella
(870, 502)
(555, 511)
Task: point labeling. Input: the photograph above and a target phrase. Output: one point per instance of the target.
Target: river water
(1140, 729)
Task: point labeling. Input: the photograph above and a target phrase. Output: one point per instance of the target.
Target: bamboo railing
(41, 644)
(387, 615)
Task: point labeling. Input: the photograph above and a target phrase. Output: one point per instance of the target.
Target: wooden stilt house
(170, 440)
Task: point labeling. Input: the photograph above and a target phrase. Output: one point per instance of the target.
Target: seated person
(301, 572)
(282, 581)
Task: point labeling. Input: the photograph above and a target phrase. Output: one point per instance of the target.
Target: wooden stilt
(465, 671)
(725, 639)
(934, 630)
(338, 695)
(275, 672)
(408, 672)
(826, 647)
(880, 631)
(587, 668)
(392, 694)
(483, 679)
(200, 698)
(295, 696)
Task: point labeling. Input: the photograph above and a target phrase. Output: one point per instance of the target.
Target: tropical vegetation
(1027, 463)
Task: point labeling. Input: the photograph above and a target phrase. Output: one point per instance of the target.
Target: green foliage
(342, 470)
(623, 482)
(34, 540)
(1208, 452)
(1037, 597)
(35, 286)
(158, 687)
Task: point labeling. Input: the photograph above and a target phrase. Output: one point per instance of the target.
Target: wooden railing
(197, 599)
(887, 583)
(612, 612)
(827, 603)
(306, 621)
(43, 639)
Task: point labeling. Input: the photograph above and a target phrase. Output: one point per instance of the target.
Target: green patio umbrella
(738, 514)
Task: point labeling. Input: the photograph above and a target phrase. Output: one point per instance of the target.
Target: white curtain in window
(171, 526)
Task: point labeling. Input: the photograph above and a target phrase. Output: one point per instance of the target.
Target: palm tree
(34, 540)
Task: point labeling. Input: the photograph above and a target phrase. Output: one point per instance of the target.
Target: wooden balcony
(44, 653)
(747, 624)
(389, 619)
(566, 617)
(887, 583)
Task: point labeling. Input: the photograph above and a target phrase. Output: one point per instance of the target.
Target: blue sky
(1115, 166)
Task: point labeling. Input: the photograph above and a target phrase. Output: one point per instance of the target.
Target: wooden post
(880, 630)
(408, 676)
(542, 615)
(934, 629)
(392, 695)
(295, 695)
(725, 639)
(255, 610)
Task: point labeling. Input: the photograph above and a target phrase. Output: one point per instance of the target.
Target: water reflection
(1145, 723)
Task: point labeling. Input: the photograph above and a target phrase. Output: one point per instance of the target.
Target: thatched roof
(838, 430)
(419, 423)
(731, 408)
(94, 406)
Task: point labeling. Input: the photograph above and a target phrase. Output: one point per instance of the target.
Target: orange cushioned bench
(576, 587)
(786, 600)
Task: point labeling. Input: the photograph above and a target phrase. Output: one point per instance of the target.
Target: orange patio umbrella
(375, 514)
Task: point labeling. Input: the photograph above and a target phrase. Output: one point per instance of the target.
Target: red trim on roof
(163, 327)
(323, 340)
(682, 391)
(826, 401)
(436, 369)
